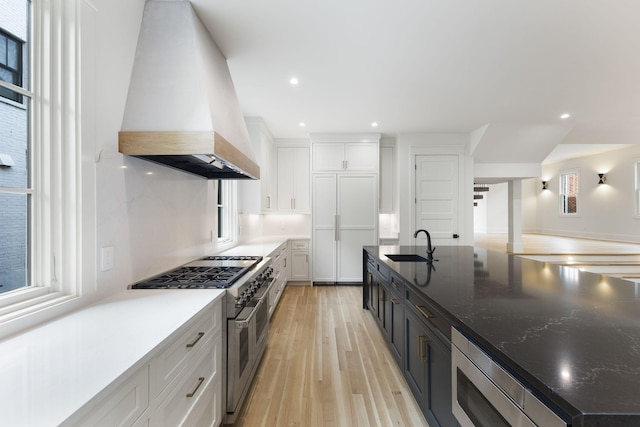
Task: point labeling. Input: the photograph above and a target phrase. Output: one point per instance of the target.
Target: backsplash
(154, 217)
(274, 225)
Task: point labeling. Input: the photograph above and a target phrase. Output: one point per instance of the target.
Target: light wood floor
(326, 364)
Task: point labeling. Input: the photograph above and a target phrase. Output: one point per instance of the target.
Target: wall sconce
(602, 178)
(545, 185)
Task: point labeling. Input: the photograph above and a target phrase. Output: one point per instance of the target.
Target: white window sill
(35, 310)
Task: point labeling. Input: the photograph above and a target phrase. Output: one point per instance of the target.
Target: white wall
(492, 213)
(530, 190)
(604, 211)
(433, 143)
(154, 217)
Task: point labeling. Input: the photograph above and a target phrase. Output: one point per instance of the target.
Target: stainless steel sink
(406, 258)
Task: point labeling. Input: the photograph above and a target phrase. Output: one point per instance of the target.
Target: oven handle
(242, 324)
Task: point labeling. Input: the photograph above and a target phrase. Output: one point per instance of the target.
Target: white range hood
(182, 109)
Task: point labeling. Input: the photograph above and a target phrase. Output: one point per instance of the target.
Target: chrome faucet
(430, 250)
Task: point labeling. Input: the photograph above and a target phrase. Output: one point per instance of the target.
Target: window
(10, 64)
(569, 193)
(226, 211)
(41, 232)
(16, 189)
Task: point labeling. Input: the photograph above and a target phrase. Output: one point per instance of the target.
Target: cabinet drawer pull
(200, 335)
(195, 390)
(393, 300)
(421, 353)
(424, 312)
(395, 285)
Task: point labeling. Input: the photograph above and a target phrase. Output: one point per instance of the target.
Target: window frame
(59, 265)
(19, 72)
(562, 194)
(226, 212)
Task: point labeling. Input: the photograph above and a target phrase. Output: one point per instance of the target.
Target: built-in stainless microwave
(485, 395)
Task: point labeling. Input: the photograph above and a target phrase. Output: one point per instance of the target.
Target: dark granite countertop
(573, 336)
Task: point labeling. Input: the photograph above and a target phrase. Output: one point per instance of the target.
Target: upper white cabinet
(293, 179)
(345, 157)
(257, 196)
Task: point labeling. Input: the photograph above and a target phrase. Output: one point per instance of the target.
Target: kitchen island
(571, 337)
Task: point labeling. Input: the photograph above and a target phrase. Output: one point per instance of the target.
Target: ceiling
(436, 66)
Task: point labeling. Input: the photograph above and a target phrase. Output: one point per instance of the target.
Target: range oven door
(485, 395)
(246, 336)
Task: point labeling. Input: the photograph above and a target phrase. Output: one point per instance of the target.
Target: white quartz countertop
(262, 246)
(49, 372)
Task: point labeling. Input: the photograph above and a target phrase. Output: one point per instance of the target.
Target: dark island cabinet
(427, 369)
(394, 318)
(417, 336)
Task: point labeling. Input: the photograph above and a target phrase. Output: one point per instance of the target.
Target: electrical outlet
(106, 254)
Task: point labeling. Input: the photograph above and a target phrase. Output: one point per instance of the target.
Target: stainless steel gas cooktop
(210, 272)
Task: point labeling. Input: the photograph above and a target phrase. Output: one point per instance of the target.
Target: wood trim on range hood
(184, 150)
(182, 109)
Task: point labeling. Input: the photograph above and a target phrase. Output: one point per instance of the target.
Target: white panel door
(300, 179)
(324, 231)
(328, 156)
(362, 157)
(437, 198)
(357, 222)
(285, 183)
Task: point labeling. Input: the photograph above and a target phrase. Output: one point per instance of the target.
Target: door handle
(424, 312)
(421, 353)
(192, 344)
(193, 393)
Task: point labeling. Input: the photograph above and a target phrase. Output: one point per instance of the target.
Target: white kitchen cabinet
(387, 177)
(345, 157)
(344, 204)
(124, 405)
(344, 219)
(299, 260)
(181, 385)
(293, 179)
(279, 263)
(200, 382)
(257, 196)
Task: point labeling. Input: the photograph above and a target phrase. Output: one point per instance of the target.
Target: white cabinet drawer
(194, 386)
(180, 354)
(297, 245)
(121, 407)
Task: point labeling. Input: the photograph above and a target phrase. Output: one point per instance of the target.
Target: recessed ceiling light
(302, 124)
(294, 80)
(374, 124)
(149, 173)
(565, 116)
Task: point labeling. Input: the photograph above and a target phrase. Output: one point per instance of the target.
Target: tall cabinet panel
(345, 204)
(357, 218)
(324, 227)
(293, 179)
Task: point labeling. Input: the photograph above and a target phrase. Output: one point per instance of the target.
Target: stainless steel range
(247, 280)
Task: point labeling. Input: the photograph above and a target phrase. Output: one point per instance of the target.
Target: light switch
(107, 258)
